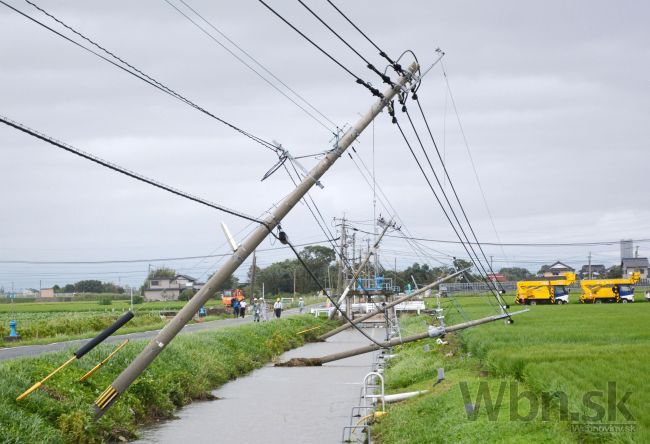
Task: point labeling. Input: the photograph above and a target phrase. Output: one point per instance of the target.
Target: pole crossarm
(167, 334)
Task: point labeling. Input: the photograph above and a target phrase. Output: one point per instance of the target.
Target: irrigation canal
(278, 404)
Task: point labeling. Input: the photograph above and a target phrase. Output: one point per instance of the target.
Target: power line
(518, 244)
(136, 72)
(326, 293)
(396, 66)
(374, 91)
(131, 261)
(369, 65)
(125, 171)
(214, 39)
(442, 189)
(469, 153)
(479, 266)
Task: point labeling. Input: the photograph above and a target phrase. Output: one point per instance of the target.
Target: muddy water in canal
(278, 404)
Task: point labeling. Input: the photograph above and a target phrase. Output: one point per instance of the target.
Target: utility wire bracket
(284, 155)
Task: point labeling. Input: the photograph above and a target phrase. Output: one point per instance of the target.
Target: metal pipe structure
(387, 306)
(432, 332)
(167, 334)
(359, 269)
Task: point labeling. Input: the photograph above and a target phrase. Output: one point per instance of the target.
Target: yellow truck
(609, 290)
(552, 290)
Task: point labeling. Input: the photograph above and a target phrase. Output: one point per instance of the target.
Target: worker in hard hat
(256, 310)
(301, 305)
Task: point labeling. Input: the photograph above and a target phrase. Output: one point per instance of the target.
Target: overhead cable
(132, 70)
(126, 172)
(359, 80)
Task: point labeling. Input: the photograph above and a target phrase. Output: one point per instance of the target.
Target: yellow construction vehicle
(609, 290)
(551, 290)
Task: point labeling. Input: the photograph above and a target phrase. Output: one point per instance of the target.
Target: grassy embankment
(45, 322)
(188, 369)
(572, 349)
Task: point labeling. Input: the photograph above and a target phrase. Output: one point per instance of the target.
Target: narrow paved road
(34, 350)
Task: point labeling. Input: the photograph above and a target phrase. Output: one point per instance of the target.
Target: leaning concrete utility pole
(358, 271)
(167, 334)
(432, 332)
(389, 305)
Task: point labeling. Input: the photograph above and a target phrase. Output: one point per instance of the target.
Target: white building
(169, 289)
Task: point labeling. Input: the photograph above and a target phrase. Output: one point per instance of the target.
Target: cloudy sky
(554, 100)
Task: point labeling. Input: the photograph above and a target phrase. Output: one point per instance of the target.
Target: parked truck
(597, 291)
(551, 290)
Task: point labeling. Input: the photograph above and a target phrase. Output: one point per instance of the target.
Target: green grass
(81, 306)
(188, 369)
(572, 348)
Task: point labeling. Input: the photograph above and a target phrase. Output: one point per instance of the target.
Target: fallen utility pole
(432, 332)
(389, 305)
(359, 269)
(167, 334)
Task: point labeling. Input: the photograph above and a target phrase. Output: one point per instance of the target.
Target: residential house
(631, 264)
(46, 293)
(169, 289)
(598, 271)
(557, 268)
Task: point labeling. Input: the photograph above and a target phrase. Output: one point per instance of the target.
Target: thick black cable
(396, 66)
(325, 229)
(453, 188)
(126, 172)
(360, 81)
(408, 144)
(444, 194)
(136, 72)
(369, 65)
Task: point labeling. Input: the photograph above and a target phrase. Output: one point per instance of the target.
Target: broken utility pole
(432, 332)
(356, 274)
(167, 334)
(389, 305)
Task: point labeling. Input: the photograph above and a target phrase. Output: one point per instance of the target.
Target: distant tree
(56, 288)
(69, 288)
(137, 299)
(186, 294)
(615, 272)
(109, 287)
(162, 273)
(516, 273)
(88, 286)
(544, 269)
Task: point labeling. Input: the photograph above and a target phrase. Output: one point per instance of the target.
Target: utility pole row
(167, 334)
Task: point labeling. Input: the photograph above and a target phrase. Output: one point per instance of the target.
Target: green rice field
(570, 373)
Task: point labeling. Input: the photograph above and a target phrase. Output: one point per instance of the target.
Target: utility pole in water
(167, 334)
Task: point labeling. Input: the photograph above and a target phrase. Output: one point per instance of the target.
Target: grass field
(188, 369)
(43, 322)
(571, 373)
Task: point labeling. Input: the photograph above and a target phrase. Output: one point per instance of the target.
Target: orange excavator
(229, 295)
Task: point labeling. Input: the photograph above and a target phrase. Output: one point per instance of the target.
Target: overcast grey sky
(553, 96)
